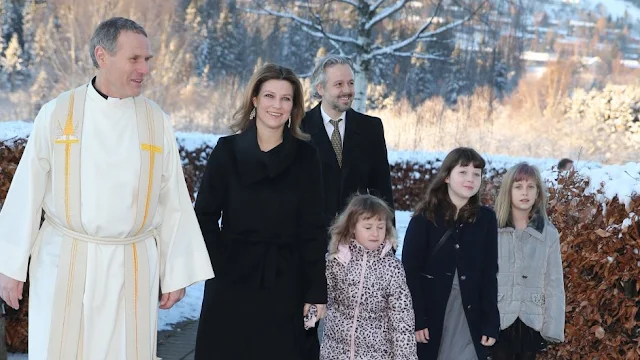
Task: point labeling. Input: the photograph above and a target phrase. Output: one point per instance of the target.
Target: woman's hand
(422, 336)
(322, 310)
(487, 341)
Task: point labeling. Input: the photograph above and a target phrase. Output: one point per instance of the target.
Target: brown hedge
(602, 267)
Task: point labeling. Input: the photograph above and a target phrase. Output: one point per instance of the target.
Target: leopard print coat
(369, 312)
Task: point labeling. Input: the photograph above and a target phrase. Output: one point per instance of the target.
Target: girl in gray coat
(531, 296)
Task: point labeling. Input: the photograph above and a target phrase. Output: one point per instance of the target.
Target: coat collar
(535, 227)
(254, 164)
(346, 252)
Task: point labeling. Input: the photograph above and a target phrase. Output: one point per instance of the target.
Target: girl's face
(464, 182)
(524, 194)
(370, 232)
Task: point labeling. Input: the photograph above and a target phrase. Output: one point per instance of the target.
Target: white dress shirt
(329, 127)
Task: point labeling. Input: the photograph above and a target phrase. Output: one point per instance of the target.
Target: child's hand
(422, 336)
(487, 341)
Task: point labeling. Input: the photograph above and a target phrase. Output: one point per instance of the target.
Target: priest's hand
(11, 291)
(169, 299)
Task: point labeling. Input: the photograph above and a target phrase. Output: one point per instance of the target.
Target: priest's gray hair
(106, 35)
(319, 75)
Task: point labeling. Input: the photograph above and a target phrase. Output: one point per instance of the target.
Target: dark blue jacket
(473, 249)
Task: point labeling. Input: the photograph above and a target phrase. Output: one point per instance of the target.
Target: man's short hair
(107, 33)
(319, 75)
(562, 165)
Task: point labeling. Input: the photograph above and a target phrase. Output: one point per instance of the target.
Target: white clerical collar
(93, 92)
(326, 117)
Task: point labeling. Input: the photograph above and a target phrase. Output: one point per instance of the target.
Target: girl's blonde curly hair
(365, 206)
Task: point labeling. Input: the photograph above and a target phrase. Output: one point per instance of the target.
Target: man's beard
(337, 106)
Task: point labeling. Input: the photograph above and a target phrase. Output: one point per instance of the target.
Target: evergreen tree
(29, 30)
(13, 71)
(9, 21)
(229, 49)
(40, 90)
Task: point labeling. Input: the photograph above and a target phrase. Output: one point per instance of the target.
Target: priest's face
(338, 90)
(273, 104)
(124, 71)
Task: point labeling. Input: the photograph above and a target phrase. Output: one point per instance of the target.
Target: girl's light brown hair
(520, 172)
(265, 73)
(437, 200)
(367, 207)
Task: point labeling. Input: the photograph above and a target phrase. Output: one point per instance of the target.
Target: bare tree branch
(419, 35)
(375, 5)
(350, 2)
(384, 13)
(319, 22)
(399, 45)
(420, 56)
(322, 36)
(435, 13)
(315, 29)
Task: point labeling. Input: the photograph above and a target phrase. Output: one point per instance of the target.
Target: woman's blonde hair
(520, 172)
(241, 118)
(366, 206)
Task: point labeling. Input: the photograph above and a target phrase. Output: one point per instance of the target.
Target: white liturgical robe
(110, 172)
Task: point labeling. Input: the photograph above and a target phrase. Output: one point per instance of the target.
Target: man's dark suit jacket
(365, 166)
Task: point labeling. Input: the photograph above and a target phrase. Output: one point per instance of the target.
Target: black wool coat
(472, 249)
(365, 166)
(268, 255)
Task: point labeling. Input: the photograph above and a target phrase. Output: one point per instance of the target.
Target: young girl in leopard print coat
(369, 312)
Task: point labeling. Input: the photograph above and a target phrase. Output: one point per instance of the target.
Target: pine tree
(13, 65)
(39, 46)
(9, 20)
(29, 30)
(40, 90)
(419, 83)
(229, 50)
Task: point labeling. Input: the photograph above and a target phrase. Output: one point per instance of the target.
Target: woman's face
(273, 104)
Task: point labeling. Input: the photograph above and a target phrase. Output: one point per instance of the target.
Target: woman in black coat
(454, 284)
(268, 254)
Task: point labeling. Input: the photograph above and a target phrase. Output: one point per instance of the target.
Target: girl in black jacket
(450, 255)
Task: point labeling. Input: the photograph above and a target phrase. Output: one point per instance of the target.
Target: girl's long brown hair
(365, 205)
(265, 73)
(437, 201)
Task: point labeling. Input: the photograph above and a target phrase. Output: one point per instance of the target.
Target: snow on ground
(11, 129)
(188, 308)
(192, 140)
(18, 357)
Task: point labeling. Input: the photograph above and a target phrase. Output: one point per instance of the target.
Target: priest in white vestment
(103, 163)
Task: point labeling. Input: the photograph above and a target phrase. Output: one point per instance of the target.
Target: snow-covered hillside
(565, 9)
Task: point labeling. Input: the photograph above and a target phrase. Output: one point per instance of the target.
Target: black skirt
(519, 338)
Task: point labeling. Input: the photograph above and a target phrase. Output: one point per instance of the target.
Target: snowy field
(620, 181)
